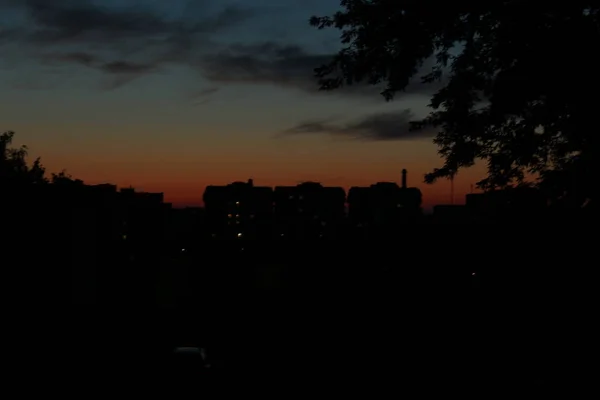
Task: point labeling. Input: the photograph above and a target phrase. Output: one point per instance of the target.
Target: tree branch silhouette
(519, 82)
(14, 169)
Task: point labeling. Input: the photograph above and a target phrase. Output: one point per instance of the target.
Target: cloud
(84, 20)
(376, 127)
(125, 67)
(284, 65)
(264, 63)
(60, 21)
(130, 42)
(82, 58)
(203, 96)
(120, 72)
(206, 92)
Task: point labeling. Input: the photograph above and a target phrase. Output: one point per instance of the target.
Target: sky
(172, 96)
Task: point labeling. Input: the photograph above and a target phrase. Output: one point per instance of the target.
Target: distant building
(185, 228)
(142, 220)
(308, 210)
(383, 206)
(138, 226)
(239, 210)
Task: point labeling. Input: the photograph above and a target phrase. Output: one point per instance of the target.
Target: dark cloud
(64, 20)
(82, 58)
(123, 43)
(206, 92)
(203, 96)
(58, 21)
(124, 40)
(119, 71)
(380, 126)
(7, 34)
(289, 66)
(262, 63)
(229, 16)
(137, 41)
(125, 67)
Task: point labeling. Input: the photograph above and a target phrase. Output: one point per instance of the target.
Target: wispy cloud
(284, 65)
(380, 126)
(203, 96)
(120, 72)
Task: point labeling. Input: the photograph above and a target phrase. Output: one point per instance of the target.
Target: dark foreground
(369, 326)
(316, 343)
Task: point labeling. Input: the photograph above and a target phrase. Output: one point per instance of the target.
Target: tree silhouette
(63, 178)
(13, 164)
(15, 170)
(518, 81)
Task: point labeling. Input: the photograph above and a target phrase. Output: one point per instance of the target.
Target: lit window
(239, 234)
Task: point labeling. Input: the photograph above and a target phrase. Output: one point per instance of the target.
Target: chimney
(250, 182)
(404, 179)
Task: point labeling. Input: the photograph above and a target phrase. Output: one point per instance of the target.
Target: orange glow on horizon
(183, 179)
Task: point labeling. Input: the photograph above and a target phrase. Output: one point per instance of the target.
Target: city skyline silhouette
(157, 98)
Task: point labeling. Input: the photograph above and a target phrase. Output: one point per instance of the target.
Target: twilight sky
(174, 95)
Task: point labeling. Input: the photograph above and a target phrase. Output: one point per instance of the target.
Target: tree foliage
(64, 178)
(520, 81)
(14, 168)
(13, 164)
